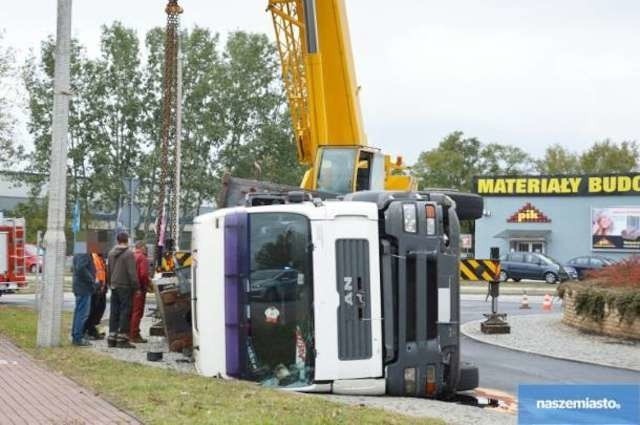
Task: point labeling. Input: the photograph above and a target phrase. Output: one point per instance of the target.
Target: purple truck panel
(235, 245)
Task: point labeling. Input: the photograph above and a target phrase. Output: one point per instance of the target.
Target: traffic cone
(546, 304)
(524, 304)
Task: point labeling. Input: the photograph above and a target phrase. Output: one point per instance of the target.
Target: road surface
(505, 369)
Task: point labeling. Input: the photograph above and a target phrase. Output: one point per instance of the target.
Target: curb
(507, 289)
(537, 353)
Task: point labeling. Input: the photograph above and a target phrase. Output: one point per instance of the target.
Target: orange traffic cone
(524, 304)
(546, 304)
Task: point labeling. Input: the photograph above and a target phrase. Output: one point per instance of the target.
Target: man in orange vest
(99, 297)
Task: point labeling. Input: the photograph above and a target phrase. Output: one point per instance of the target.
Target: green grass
(33, 285)
(159, 396)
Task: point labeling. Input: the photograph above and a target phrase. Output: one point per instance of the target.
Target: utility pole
(50, 314)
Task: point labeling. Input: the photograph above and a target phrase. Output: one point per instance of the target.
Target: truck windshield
(337, 168)
(280, 350)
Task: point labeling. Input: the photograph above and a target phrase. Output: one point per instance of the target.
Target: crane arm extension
(318, 74)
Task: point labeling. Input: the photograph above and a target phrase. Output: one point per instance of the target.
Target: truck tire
(469, 377)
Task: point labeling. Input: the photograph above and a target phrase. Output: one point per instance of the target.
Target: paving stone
(32, 394)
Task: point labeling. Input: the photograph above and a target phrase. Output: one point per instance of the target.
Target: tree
(38, 80)
(558, 160)
(34, 211)
(259, 140)
(609, 157)
(10, 153)
(234, 117)
(505, 160)
(115, 114)
(450, 165)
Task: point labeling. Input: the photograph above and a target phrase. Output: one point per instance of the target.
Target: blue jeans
(80, 315)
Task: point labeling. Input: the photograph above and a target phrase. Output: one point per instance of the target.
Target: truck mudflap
(469, 377)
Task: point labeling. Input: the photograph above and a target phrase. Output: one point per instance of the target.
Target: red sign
(528, 214)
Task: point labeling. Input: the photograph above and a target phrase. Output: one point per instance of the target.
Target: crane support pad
(480, 270)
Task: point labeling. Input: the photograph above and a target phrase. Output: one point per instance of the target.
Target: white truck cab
(357, 296)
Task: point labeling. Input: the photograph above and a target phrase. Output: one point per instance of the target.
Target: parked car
(573, 273)
(587, 263)
(33, 258)
(530, 265)
(274, 284)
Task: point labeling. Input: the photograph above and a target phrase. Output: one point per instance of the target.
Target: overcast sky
(523, 72)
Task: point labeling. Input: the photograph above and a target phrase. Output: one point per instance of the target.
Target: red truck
(12, 254)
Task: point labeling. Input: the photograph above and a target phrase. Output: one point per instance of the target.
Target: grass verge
(159, 396)
(34, 286)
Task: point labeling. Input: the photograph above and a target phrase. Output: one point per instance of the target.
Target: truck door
(347, 299)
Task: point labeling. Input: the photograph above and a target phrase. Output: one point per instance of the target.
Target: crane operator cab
(345, 170)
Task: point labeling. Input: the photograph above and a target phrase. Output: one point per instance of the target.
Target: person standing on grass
(139, 297)
(123, 281)
(99, 297)
(84, 278)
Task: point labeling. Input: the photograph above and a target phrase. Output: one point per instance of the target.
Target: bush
(592, 303)
(624, 274)
(628, 306)
(595, 300)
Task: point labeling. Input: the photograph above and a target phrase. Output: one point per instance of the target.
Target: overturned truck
(358, 296)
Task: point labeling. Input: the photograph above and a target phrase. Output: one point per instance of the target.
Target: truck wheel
(503, 276)
(469, 377)
(550, 277)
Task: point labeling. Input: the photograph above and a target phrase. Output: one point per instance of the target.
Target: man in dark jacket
(123, 281)
(84, 277)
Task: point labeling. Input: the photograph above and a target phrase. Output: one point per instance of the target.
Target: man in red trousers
(139, 296)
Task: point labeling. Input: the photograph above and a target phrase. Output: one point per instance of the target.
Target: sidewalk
(546, 335)
(32, 394)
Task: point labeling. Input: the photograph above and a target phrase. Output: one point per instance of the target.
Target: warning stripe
(466, 273)
(474, 269)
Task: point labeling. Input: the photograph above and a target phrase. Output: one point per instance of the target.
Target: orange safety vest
(101, 272)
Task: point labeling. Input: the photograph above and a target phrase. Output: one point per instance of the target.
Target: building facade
(563, 216)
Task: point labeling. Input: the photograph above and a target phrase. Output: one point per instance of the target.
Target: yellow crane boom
(319, 77)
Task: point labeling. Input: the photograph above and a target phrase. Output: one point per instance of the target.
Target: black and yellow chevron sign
(474, 269)
(183, 258)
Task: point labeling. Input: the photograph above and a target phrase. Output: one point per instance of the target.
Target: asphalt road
(500, 368)
(505, 369)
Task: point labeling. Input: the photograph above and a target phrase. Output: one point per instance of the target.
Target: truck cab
(358, 296)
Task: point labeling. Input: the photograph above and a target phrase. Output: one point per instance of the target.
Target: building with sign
(562, 216)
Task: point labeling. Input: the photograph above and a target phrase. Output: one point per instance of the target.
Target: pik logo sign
(528, 214)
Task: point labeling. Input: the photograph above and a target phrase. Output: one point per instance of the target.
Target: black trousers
(98, 305)
(120, 313)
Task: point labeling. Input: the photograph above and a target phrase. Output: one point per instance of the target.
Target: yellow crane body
(319, 77)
